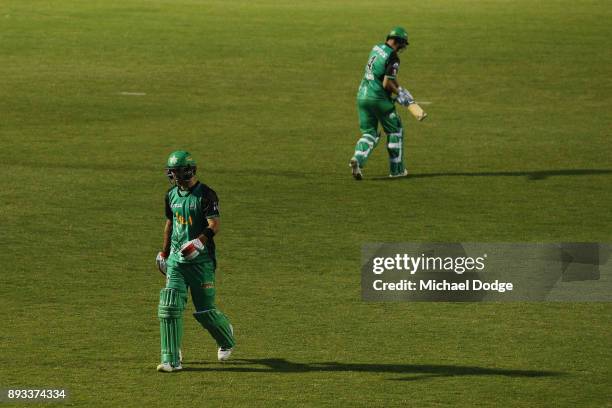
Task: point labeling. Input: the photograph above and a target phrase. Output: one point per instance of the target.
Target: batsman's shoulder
(208, 193)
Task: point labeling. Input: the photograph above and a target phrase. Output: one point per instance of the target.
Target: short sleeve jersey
(383, 61)
(189, 212)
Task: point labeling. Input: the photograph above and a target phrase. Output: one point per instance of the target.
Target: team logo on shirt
(182, 220)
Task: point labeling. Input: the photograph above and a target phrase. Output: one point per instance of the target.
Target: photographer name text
(433, 285)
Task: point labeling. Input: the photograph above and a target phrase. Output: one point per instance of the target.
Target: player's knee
(171, 304)
(369, 132)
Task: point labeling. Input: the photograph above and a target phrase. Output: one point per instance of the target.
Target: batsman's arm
(404, 98)
(214, 224)
(391, 85)
(214, 227)
(167, 235)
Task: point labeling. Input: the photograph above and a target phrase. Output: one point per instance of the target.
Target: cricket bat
(417, 111)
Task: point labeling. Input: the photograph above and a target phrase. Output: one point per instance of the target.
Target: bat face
(417, 111)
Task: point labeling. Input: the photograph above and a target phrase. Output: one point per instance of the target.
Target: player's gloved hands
(160, 261)
(404, 97)
(192, 249)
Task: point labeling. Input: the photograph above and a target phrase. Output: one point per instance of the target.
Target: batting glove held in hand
(160, 261)
(404, 97)
(191, 249)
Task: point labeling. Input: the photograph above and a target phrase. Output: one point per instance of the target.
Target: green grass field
(517, 148)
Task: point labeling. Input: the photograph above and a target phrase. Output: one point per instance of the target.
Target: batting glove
(404, 97)
(160, 261)
(191, 249)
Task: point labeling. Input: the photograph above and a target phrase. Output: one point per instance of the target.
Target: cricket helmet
(180, 166)
(400, 35)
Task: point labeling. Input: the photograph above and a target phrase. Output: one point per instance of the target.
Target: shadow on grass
(531, 175)
(278, 365)
(313, 173)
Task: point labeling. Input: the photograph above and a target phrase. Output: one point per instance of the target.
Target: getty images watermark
(473, 272)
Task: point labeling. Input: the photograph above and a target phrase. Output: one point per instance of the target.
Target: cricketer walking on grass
(188, 261)
(376, 105)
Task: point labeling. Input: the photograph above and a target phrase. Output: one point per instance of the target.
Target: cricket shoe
(402, 174)
(169, 368)
(224, 354)
(355, 169)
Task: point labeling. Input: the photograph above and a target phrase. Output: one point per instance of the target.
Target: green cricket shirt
(189, 212)
(383, 61)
